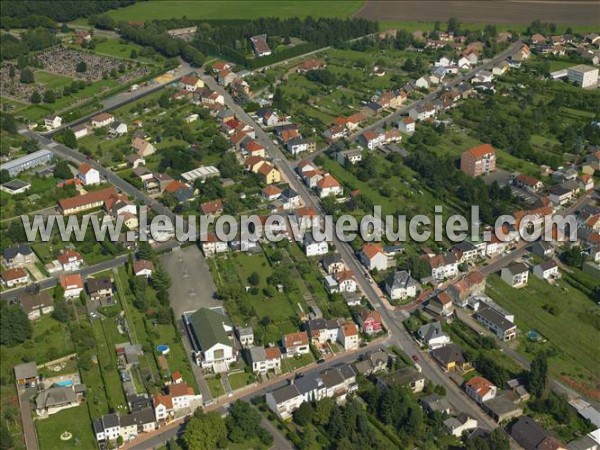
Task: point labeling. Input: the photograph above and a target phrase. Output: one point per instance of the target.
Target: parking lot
(194, 287)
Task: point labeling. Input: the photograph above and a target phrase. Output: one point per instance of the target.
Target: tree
(49, 96)
(81, 67)
(323, 410)
(6, 440)
(254, 279)
(62, 170)
(11, 71)
(243, 422)
(304, 414)
(145, 251)
(15, 326)
(83, 298)
(133, 54)
(498, 440)
(35, 97)
(26, 76)
(69, 138)
(59, 292)
(119, 441)
(538, 375)
(62, 311)
(204, 431)
(4, 176)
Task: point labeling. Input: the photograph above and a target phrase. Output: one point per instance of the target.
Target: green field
(235, 9)
(240, 379)
(572, 337)
(74, 420)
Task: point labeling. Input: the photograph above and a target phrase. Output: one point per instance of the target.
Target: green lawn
(291, 364)
(215, 386)
(74, 420)
(116, 48)
(51, 80)
(235, 9)
(571, 334)
(240, 379)
(51, 339)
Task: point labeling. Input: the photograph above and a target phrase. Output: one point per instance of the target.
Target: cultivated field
(575, 12)
(236, 9)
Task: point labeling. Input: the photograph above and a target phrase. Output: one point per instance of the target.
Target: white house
(407, 125)
(213, 347)
(70, 260)
(443, 266)
(52, 122)
(456, 426)
(515, 275)
(329, 186)
(548, 270)
(400, 285)
(373, 257)
(72, 285)
(345, 281)
(265, 359)
(102, 120)
(422, 83)
(81, 131)
(348, 336)
(117, 129)
(480, 389)
(314, 248)
(88, 175)
(433, 336)
(14, 277)
(212, 245)
(296, 344)
(422, 112)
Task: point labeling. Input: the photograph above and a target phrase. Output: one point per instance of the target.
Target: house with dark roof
(451, 358)
(432, 335)
(407, 377)
(400, 285)
(532, 436)
(260, 46)
(213, 347)
(100, 289)
(504, 329)
(17, 256)
(36, 305)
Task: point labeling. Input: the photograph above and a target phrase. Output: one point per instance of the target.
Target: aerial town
(117, 113)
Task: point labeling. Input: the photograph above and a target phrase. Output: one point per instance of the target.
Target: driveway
(193, 286)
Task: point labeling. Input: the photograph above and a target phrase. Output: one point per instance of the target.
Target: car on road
(415, 358)
(321, 361)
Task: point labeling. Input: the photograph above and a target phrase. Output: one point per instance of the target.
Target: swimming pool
(66, 383)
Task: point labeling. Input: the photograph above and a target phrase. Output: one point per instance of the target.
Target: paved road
(390, 118)
(400, 336)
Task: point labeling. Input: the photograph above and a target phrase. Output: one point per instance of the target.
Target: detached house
(143, 268)
(102, 120)
(117, 129)
(443, 266)
(480, 389)
(72, 285)
(348, 336)
(259, 43)
(14, 277)
(314, 248)
(372, 257)
(451, 358)
(52, 122)
(296, 344)
(17, 256)
(88, 175)
(70, 260)
(548, 270)
(432, 335)
(265, 359)
(400, 285)
(142, 148)
(191, 83)
(369, 321)
(329, 186)
(100, 289)
(422, 112)
(372, 139)
(515, 275)
(407, 125)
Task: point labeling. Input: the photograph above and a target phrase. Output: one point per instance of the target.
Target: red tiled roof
(370, 250)
(14, 274)
(142, 264)
(71, 280)
(328, 182)
(175, 186)
(66, 255)
(179, 390)
(211, 207)
(294, 339)
(481, 150)
(272, 353)
(87, 199)
(480, 385)
(84, 168)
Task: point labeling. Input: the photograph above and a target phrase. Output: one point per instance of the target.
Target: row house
(298, 145)
(212, 245)
(441, 304)
(335, 133)
(110, 427)
(480, 389)
(472, 284)
(335, 382)
(372, 139)
(321, 331)
(528, 182)
(179, 400)
(422, 112)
